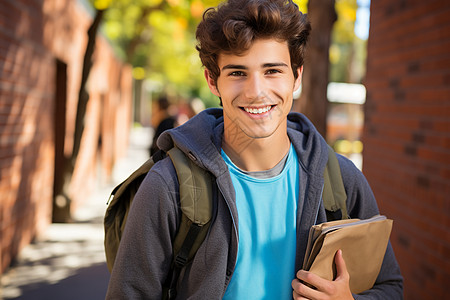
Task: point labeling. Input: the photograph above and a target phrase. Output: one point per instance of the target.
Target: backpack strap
(334, 196)
(196, 194)
(195, 188)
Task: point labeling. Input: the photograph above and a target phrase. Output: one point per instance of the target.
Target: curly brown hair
(234, 25)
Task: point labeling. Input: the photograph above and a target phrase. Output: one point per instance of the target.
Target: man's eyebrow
(266, 65)
(239, 67)
(271, 65)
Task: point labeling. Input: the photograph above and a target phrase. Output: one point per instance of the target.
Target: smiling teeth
(258, 110)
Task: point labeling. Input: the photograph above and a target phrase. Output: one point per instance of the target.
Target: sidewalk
(68, 260)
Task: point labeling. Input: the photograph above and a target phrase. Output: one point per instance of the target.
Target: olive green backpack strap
(334, 196)
(196, 194)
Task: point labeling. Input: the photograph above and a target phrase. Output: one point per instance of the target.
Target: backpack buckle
(180, 261)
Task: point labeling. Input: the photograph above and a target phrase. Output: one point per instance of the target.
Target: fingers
(312, 279)
(301, 291)
(309, 285)
(296, 296)
(341, 267)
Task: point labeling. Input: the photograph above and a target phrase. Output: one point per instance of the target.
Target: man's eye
(273, 71)
(237, 73)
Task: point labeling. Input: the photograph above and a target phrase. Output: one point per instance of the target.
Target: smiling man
(256, 88)
(267, 164)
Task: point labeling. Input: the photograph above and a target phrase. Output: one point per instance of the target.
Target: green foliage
(302, 5)
(347, 51)
(101, 4)
(158, 38)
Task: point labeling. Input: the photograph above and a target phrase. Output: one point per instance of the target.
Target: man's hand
(325, 289)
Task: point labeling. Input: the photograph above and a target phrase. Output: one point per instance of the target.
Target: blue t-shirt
(267, 210)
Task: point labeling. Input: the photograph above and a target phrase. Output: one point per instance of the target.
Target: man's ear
(211, 83)
(298, 80)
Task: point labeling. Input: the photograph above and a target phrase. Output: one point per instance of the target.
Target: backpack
(196, 196)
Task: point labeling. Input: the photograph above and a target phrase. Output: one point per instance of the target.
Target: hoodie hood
(201, 138)
(311, 147)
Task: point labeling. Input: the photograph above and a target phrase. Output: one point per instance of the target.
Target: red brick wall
(34, 36)
(407, 136)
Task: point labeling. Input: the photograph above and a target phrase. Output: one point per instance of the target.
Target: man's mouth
(258, 110)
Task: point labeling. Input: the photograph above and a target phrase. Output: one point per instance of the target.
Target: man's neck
(250, 154)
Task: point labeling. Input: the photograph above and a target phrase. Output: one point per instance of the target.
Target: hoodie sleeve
(362, 204)
(145, 252)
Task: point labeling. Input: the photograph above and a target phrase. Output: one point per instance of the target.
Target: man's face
(256, 89)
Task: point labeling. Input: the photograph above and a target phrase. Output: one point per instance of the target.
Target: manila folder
(363, 244)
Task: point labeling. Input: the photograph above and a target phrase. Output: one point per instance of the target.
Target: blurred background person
(163, 118)
(188, 110)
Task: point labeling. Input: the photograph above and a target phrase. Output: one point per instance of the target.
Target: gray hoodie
(145, 253)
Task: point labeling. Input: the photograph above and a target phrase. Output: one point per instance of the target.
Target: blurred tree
(334, 53)
(159, 37)
(62, 201)
(313, 99)
(347, 51)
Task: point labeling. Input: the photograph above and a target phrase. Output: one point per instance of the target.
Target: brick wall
(407, 136)
(42, 43)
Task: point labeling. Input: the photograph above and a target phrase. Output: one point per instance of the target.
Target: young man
(268, 167)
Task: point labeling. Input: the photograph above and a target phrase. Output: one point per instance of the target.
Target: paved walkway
(68, 261)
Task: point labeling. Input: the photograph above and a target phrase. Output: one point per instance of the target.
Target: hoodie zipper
(318, 206)
(229, 272)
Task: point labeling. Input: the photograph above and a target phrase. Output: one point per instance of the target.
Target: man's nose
(254, 87)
